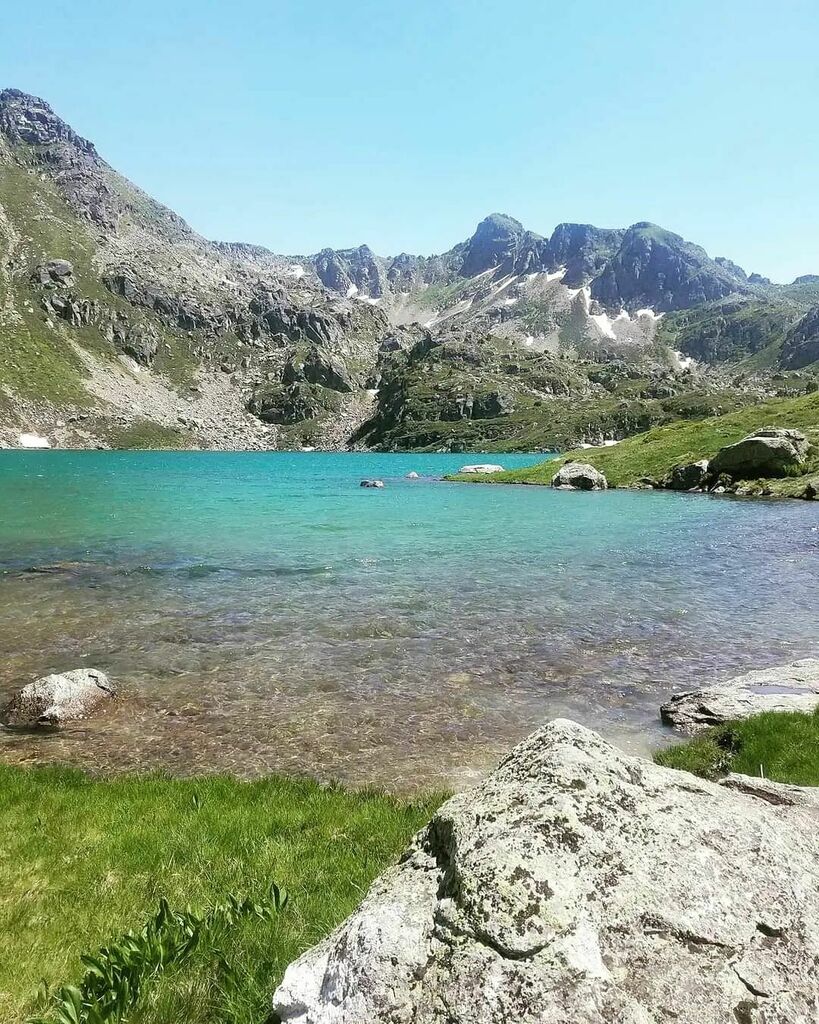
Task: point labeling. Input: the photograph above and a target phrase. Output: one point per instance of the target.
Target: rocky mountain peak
(29, 119)
(582, 249)
(501, 241)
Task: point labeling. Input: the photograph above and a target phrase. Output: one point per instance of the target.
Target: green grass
(83, 861)
(653, 453)
(147, 435)
(783, 747)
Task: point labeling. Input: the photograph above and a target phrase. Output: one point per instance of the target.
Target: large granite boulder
(687, 476)
(579, 476)
(769, 452)
(577, 885)
(793, 687)
(57, 699)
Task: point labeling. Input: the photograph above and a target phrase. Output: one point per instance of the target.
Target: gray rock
(580, 476)
(56, 699)
(577, 885)
(688, 476)
(769, 452)
(372, 483)
(793, 687)
(55, 272)
(484, 467)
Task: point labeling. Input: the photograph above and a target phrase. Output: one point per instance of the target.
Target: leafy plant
(116, 975)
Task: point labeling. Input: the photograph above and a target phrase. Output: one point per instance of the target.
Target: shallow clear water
(262, 612)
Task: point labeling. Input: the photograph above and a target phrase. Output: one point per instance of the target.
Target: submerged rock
(577, 885)
(56, 699)
(687, 477)
(487, 467)
(580, 476)
(371, 483)
(793, 687)
(769, 452)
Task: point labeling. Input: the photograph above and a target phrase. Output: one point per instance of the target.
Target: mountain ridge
(120, 323)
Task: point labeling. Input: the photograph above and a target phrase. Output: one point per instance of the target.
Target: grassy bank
(654, 452)
(83, 861)
(783, 747)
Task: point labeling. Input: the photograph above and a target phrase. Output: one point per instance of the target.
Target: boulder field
(578, 885)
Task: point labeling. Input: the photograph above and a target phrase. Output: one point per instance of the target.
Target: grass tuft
(781, 746)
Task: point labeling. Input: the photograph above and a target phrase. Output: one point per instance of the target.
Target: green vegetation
(523, 401)
(84, 861)
(442, 295)
(145, 434)
(783, 747)
(653, 453)
(731, 330)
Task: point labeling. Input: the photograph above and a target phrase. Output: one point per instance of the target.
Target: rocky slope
(120, 325)
(579, 884)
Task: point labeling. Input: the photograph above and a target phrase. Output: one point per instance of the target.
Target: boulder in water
(579, 476)
(793, 687)
(57, 699)
(578, 885)
(371, 483)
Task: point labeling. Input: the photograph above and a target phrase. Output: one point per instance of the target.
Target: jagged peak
(25, 118)
(499, 222)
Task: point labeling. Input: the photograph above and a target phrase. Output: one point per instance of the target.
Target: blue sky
(298, 125)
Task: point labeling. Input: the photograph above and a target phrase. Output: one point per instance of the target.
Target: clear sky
(303, 124)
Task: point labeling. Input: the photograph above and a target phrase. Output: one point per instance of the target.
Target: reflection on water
(262, 613)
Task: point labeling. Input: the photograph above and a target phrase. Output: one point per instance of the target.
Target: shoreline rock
(771, 452)
(57, 699)
(579, 476)
(578, 884)
(793, 687)
(488, 467)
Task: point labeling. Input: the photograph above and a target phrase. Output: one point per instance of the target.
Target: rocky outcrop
(59, 699)
(318, 367)
(801, 344)
(579, 476)
(577, 885)
(770, 452)
(55, 273)
(687, 477)
(793, 687)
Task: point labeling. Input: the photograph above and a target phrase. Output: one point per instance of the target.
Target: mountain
(122, 326)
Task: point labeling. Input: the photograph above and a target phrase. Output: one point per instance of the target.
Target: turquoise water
(262, 612)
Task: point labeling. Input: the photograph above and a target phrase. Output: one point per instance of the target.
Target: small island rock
(371, 483)
(59, 698)
(580, 476)
(793, 687)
